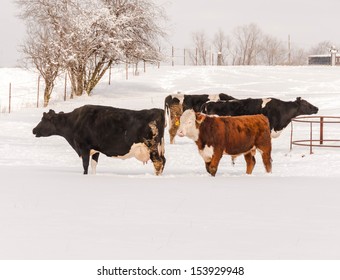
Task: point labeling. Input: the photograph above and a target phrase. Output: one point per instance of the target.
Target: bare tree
(40, 50)
(298, 56)
(273, 51)
(222, 45)
(321, 48)
(246, 44)
(201, 46)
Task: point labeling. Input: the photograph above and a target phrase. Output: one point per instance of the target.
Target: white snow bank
(49, 210)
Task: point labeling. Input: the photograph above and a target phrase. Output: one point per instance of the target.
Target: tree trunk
(76, 75)
(47, 92)
(80, 83)
(96, 76)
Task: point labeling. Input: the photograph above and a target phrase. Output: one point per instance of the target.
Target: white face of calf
(187, 125)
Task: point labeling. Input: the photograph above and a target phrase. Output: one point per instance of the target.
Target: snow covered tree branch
(91, 35)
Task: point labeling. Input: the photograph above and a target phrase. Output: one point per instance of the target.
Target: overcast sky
(308, 22)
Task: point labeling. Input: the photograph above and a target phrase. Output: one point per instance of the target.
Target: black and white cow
(279, 113)
(176, 104)
(115, 132)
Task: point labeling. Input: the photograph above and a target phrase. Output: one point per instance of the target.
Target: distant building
(321, 59)
(325, 59)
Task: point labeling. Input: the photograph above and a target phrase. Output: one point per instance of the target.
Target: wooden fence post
(127, 70)
(110, 75)
(65, 86)
(184, 57)
(159, 62)
(38, 91)
(172, 56)
(196, 57)
(9, 98)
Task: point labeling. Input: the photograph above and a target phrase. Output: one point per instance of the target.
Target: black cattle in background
(279, 113)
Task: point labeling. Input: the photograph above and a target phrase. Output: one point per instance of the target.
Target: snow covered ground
(49, 210)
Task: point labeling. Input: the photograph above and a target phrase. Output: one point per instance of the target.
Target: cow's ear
(49, 115)
(200, 118)
(298, 99)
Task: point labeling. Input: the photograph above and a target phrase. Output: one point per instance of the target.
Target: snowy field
(49, 210)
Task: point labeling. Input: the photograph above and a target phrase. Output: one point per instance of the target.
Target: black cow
(279, 113)
(114, 132)
(176, 104)
(195, 101)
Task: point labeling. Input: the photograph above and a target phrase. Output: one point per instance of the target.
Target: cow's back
(235, 134)
(114, 130)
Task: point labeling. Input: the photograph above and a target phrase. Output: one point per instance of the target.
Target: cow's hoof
(159, 166)
(212, 171)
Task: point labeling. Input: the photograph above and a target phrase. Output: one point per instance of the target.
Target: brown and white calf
(216, 136)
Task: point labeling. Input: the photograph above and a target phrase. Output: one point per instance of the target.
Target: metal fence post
(311, 138)
(321, 130)
(9, 98)
(291, 135)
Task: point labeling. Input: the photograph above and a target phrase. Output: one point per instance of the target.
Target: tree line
(84, 38)
(249, 45)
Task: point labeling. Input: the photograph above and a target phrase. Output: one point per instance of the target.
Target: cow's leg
(172, 132)
(172, 139)
(233, 158)
(158, 162)
(85, 155)
(207, 166)
(94, 162)
(215, 160)
(250, 160)
(267, 161)
(265, 150)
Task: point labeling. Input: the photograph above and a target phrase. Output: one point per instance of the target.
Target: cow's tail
(167, 111)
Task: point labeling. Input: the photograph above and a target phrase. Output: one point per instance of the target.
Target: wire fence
(21, 88)
(190, 57)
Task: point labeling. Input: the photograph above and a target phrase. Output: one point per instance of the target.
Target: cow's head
(47, 125)
(189, 124)
(204, 108)
(176, 111)
(305, 108)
